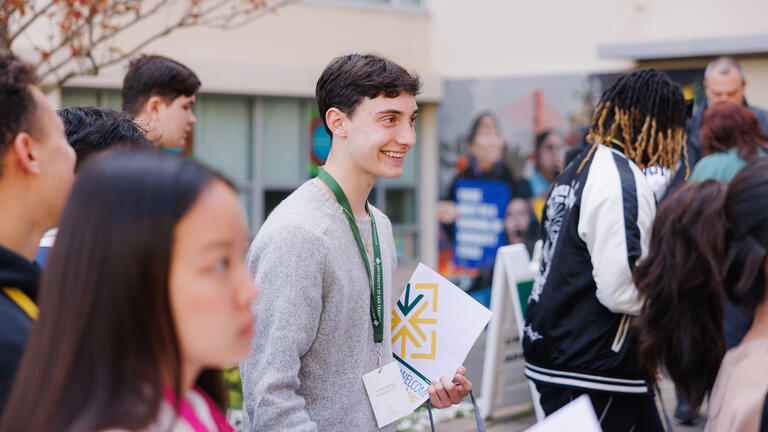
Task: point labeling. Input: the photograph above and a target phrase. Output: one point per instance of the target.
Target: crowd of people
(625, 292)
(122, 317)
(128, 280)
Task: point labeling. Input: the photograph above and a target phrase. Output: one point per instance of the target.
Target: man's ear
(153, 106)
(24, 154)
(335, 119)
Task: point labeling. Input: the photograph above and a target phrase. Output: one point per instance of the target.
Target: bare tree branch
(29, 22)
(85, 31)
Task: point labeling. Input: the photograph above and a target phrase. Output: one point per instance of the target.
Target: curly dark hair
(91, 130)
(17, 112)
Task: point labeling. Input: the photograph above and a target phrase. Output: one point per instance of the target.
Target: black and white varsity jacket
(596, 225)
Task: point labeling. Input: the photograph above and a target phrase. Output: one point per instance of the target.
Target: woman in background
(709, 243)
(730, 138)
(145, 296)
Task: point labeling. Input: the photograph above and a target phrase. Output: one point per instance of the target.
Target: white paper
(386, 392)
(434, 325)
(577, 415)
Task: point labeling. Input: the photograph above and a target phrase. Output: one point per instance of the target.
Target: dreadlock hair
(644, 113)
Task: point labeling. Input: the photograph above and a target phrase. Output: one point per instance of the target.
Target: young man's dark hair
(91, 129)
(348, 79)
(156, 76)
(18, 107)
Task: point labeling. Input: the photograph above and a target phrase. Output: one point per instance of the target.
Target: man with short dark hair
(36, 174)
(324, 314)
(92, 130)
(159, 93)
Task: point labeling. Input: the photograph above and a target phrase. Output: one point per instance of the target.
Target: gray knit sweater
(314, 339)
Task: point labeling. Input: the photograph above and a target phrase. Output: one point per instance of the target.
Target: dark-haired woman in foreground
(145, 296)
(708, 243)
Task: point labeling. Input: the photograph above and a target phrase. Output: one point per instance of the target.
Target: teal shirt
(719, 166)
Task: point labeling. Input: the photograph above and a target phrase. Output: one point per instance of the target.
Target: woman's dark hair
(728, 125)
(746, 210)
(707, 242)
(105, 346)
(679, 282)
(645, 111)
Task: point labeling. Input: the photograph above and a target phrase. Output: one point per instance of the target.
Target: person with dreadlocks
(597, 219)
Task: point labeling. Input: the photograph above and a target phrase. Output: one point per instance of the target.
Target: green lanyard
(376, 282)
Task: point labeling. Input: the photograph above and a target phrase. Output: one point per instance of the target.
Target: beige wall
(502, 37)
(283, 53)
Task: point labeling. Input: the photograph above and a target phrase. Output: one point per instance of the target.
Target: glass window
(401, 206)
(223, 135)
(223, 139)
(78, 97)
(113, 99)
(283, 128)
(272, 198)
(406, 246)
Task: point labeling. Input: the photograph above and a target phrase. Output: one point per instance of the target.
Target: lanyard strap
(375, 280)
(22, 301)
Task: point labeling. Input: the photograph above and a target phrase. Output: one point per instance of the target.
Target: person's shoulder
(760, 112)
(300, 220)
(721, 166)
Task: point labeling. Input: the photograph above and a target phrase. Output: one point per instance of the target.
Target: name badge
(387, 394)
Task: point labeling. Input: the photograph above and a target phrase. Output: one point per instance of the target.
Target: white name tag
(387, 394)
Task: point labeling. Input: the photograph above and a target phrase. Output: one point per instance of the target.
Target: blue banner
(480, 222)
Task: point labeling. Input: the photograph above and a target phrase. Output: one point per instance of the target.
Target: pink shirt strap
(187, 413)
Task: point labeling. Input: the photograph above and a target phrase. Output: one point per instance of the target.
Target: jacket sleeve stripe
(629, 200)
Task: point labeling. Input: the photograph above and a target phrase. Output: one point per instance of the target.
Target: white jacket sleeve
(616, 214)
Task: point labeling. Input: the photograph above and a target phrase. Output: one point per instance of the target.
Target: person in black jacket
(37, 171)
(577, 335)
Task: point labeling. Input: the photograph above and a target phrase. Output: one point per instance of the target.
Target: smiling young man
(159, 93)
(325, 259)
